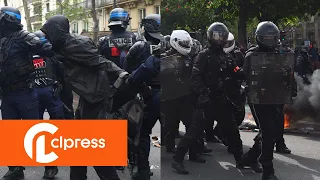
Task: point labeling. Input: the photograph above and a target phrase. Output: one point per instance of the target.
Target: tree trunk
(114, 3)
(5, 2)
(95, 20)
(242, 24)
(27, 15)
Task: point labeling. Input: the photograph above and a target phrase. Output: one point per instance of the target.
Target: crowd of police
(117, 78)
(202, 85)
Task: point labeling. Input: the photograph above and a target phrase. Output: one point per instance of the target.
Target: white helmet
(230, 44)
(181, 41)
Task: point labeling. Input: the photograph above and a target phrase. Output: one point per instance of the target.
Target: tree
(27, 15)
(73, 12)
(95, 20)
(5, 2)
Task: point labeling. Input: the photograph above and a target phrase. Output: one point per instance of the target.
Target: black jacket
(209, 71)
(86, 71)
(16, 53)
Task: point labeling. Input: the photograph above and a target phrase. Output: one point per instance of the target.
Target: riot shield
(271, 77)
(174, 77)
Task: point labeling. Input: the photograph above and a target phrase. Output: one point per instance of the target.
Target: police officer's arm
(147, 70)
(102, 45)
(197, 75)
(38, 46)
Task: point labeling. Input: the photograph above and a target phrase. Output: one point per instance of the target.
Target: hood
(56, 29)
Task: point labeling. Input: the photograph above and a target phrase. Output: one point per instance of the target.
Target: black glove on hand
(57, 87)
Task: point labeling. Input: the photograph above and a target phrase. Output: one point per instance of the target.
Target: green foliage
(73, 12)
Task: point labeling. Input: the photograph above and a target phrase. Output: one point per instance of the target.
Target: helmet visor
(229, 44)
(269, 40)
(220, 38)
(185, 44)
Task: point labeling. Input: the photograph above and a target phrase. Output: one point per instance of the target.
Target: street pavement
(36, 173)
(302, 164)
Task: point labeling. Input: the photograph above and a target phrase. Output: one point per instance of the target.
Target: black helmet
(10, 14)
(267, 35)
(217, 34)
(119, 17)
(152, 24)
(39, 34)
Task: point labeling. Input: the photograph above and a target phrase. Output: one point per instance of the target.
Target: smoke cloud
(307, 101)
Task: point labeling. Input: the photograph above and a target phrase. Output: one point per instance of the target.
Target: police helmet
(119, 17)
(10, 14)
(181, 41)
(267, 35)
(217, 34)
(152, 24)
(230, 45)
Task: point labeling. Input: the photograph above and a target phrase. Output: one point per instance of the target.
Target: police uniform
(19, 98)
(137, 55)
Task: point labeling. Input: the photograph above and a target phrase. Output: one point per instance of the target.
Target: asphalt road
(302, 164)
(36, 173)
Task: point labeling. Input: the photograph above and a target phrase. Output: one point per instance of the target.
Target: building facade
(308, 31)
(39, 10)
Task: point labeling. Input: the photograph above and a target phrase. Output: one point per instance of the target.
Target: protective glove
(123, 78)
(147, 92)
(57, 87)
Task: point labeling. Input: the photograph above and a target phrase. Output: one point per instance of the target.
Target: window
(75, 28)
(48, 7)
(142, 13)
(86, 26)
(37, 9)
(157, 9)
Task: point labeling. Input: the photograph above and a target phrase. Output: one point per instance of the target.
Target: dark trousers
(20, 105)
(87, 110)
(48, 101)
(176, 110)
(152, 114)
(219, 110)
(66, 97)
(271, 122)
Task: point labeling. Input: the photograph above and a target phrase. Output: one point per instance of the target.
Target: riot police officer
(19, 99)
(176, 96)
(236, 92)
(48, 89)
(303, 64)
(212, 68)
(119, 37)
(270, 113)
(137, 55)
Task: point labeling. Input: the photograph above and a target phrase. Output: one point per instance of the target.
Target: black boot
(142, 174)
(179, 167)
(14, 173)
(50, 172)
(269, 177)
(177, 162)
(252, 163)
(282, 148)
